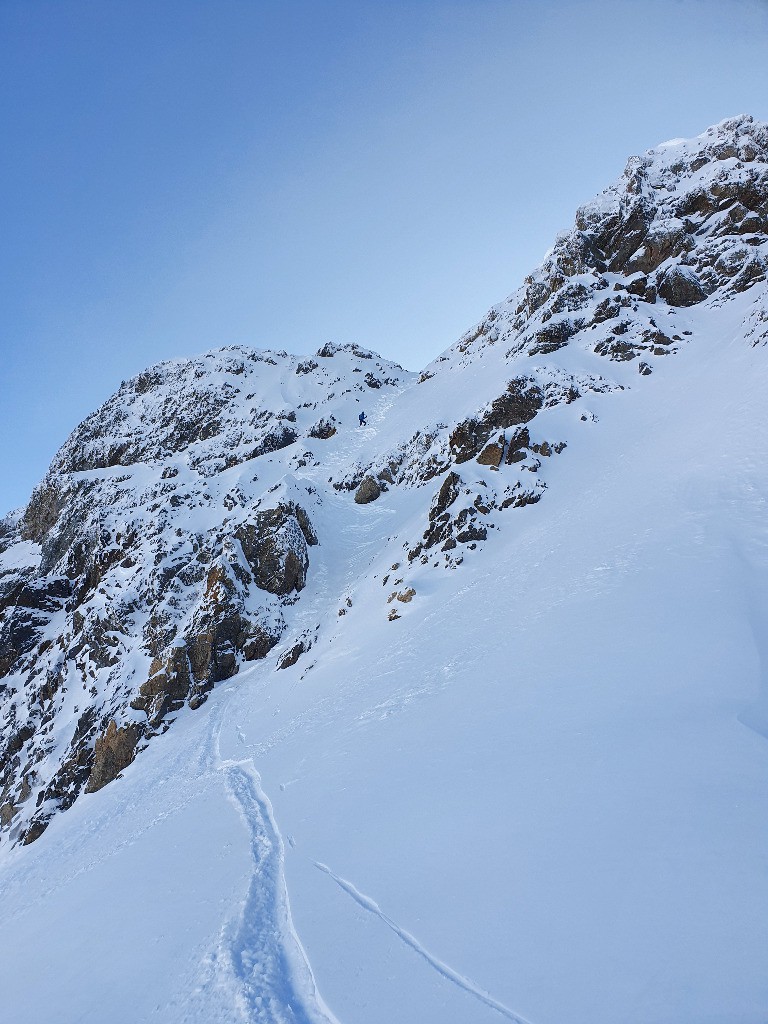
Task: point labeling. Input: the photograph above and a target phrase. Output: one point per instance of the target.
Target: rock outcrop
(113, 751)
(369, 490)
(173, 535)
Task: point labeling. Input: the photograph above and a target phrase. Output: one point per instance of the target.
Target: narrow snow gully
(260, 951)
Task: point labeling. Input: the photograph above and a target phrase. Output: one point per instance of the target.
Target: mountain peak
(168, 545)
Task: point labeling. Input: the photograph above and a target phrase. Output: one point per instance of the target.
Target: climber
(362, 419)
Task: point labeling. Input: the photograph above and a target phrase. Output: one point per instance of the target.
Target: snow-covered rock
(225, 517)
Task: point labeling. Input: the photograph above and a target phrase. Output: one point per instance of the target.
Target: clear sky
(184, 174)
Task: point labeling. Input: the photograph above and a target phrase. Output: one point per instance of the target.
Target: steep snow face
(506, 754)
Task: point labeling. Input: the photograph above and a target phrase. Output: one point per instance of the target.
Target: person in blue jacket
(362, 419)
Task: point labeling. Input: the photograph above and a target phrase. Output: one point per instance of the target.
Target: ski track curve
(442, 968)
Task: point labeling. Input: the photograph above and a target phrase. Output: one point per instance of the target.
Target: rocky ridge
(172, 536)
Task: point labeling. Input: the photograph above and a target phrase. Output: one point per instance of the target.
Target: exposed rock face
(368, 491)
(492, 454)
(275, 547)
(519, 442)
(448, 493)
(519, 404)
(167, 687)
(29, 605)
(69, 624)
(113, 752)
(43, 510)
(324, 428)
(292, 655)
(685, 222)
(684, 226)
(680, 286)
(550, 338)
(143, 550)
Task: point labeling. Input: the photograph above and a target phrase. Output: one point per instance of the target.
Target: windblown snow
(457, 716)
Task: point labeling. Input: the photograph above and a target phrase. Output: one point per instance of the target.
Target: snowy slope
(517, 769)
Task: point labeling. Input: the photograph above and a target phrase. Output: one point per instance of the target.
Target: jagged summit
(685, 222)
(223, 407)
(171, 539)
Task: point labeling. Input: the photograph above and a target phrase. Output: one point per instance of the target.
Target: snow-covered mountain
(483, 678)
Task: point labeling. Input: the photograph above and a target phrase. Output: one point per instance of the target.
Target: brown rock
(259, 644)
(44, 508)
(275, 545)
(7, 812)
(663, 241)
(324, 428)
(519, 404)
(492, 453)
(638, 285)
(449, 491)
(291, 656)
(35, 830)
(680, 286)
(467, 439)
(113, 752)
(369, 490)
(167, 687)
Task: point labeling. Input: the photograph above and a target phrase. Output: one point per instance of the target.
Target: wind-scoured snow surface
(539, 793)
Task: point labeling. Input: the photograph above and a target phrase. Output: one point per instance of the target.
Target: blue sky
(177, 176)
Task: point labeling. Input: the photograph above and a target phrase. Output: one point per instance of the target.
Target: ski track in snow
(261, 952)
(442, 968)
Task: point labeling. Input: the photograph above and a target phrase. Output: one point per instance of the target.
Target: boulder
(324, 428)
(275, 546)
(680, 286)
(492, 454)
(369, 490)
(291, 656)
